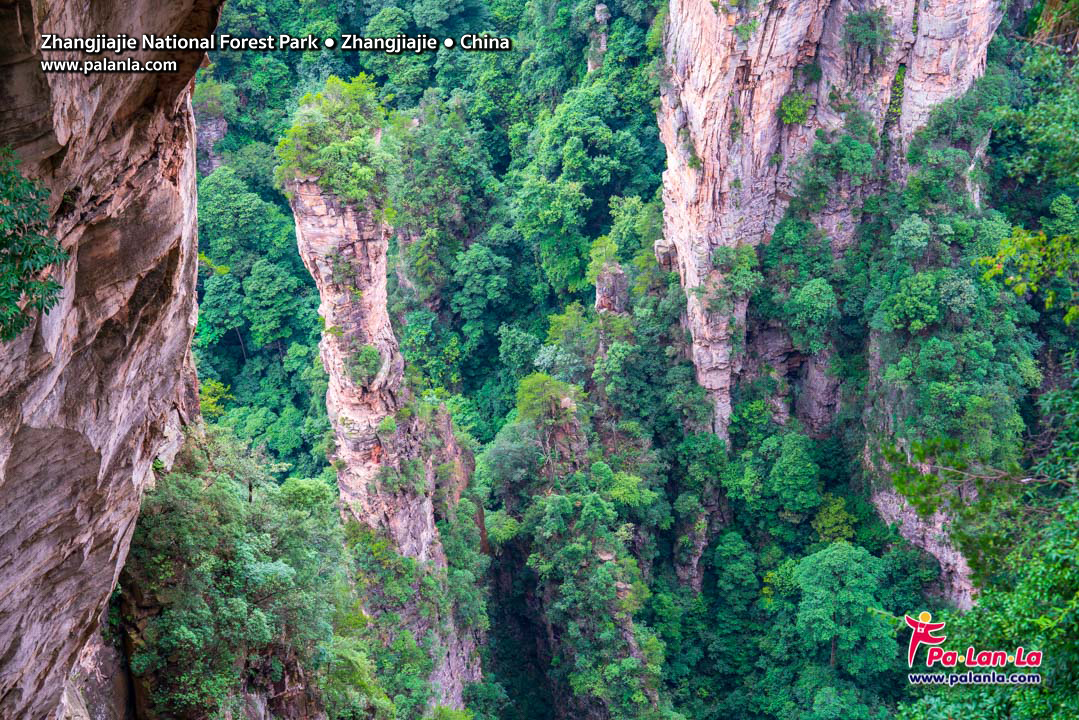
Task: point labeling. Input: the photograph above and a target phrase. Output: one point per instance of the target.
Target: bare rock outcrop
(931, 535)
(731, 160)
(209, 130)
(99, 687)
(344, 249)
(597, 37)
(612, 290)
(391, 463)
(93, 392)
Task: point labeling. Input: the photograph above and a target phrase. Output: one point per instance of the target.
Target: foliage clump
(364, 362)
(334, 137)
(26, 250)
(250, 582)
(745, 30)
(869, 29)
(1046, 263)
(794, 108)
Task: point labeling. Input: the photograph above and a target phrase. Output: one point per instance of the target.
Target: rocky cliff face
(210, 130)
(731, 160)
(391, 462)
(929, 534)
(94, 391)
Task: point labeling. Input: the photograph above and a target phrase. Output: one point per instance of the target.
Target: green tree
(794, 108)
(26, 251)
(481, 277)
(544, 400)
(869, 29)
(840, 588)
(911, 238)
(916, 303)
(404, 75)
(1047, 263)
(333, 139)
(813, 311)
(271, 302)
(832, 522)
(794, 478)
(549, 215)
(1046, 126)
(240, 567)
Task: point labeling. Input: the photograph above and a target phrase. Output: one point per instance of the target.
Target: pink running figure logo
(922, 633)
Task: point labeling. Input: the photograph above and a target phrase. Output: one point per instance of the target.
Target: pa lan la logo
(923, 631)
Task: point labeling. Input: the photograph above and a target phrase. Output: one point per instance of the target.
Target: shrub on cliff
(870, 29)
(26, 251)
(363, 363)
(794, 109)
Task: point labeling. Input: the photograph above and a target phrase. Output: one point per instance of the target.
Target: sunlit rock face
(95, 390)
(731, 160)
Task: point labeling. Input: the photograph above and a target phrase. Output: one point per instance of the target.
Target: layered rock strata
(391, 463)
(94, 391)
(731, 161)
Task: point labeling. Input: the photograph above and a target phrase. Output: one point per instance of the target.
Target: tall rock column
(344, 249)
(731, 161)
(390, 464)
(717, 119)
(730, 158)
(96, 388)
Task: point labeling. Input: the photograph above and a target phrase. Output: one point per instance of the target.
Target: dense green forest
(520, 178)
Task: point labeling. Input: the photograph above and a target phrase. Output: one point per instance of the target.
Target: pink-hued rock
(96, 389)
(612, 290)
(99, 687)
(344, 248)
(931, 535)
(209, 130)
(731, 161)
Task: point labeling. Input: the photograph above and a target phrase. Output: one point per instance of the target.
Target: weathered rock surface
(929, 534)
(730, 160)
(597, 37)
(729, 157)
(344, 248)
(99, 687)
(93, 392)
(209, 130)
(612, 290)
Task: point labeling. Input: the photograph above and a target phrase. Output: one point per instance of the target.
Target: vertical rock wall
(95, 389)
(344, 248)
(730, 160)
